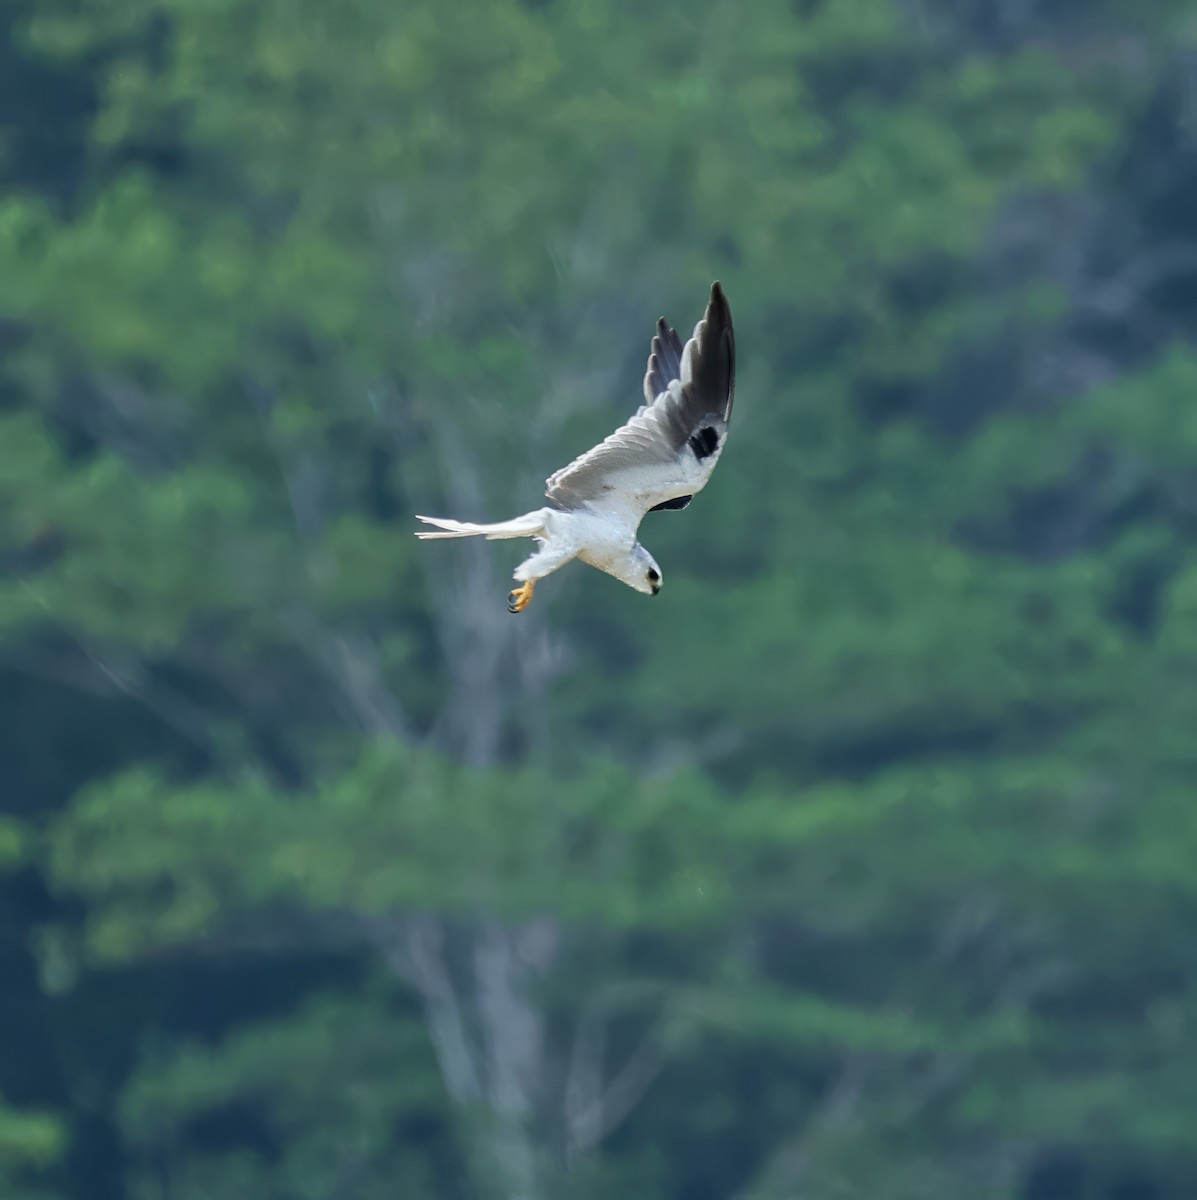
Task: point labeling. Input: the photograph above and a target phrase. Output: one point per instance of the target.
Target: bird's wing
(667, 451)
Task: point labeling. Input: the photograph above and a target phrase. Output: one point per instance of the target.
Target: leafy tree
(857, 864)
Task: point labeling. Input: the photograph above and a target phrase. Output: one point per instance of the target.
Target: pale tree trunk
(474, 976)
(488, 1036)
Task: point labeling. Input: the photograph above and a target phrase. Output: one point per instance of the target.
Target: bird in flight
(660, 459)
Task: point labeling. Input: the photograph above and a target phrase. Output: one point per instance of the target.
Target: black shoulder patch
(704, 442)
(674, 505)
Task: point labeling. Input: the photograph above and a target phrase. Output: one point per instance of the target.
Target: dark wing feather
(664, 361)
(674, 505)
(713, 358)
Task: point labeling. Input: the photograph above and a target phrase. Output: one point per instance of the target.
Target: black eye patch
(653, 577)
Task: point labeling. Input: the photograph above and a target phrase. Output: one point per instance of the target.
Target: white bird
(660, 459)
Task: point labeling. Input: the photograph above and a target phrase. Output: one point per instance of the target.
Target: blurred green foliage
(860, 863)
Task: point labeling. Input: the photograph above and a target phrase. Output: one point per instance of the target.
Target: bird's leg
(547, 559)
(521, 597)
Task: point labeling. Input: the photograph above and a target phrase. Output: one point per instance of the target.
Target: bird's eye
(653, 577)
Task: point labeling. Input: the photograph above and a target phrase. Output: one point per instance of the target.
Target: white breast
(604, 540)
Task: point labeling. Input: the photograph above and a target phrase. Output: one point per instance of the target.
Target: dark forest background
(862, 863)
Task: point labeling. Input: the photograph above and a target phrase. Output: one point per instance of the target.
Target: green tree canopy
(857, 864)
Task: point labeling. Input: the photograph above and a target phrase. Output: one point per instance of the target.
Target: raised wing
(665, 454)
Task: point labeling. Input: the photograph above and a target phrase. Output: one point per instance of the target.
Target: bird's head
(645, 575)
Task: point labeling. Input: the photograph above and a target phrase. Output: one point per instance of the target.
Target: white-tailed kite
(660, 459)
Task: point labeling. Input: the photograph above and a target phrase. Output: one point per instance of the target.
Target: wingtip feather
(718, 305)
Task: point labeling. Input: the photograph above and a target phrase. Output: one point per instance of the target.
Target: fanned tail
(529, 525)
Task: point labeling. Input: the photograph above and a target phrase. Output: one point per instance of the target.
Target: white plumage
(661, 458)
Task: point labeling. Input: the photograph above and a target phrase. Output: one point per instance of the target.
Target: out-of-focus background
(860, 863)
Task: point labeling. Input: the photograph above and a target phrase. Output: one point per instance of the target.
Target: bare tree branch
(97, 673)
(783, 1174)
(608, 1109)
(419, 954)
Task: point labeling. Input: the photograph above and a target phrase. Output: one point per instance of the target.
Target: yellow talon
(521, 597)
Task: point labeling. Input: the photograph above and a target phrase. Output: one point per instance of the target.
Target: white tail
(529, 525)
